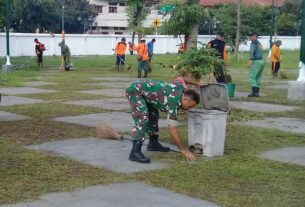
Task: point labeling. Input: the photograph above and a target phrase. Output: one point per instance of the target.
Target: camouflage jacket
(161, 95)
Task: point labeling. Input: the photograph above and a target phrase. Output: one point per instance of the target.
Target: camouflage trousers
(144, 115)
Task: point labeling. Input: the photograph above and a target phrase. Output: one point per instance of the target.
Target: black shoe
(136, 154)
(253, 92)
(154, 145)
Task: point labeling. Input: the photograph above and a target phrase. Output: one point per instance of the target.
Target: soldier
(65, 52)
(146, 97)
(256, 64)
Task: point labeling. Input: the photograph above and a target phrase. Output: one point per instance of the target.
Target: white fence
(23, 44)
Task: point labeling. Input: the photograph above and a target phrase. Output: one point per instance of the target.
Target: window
(104, 32)
(104, 27)
(122, 4)
(113, 9)
(122, 28)
(112, 4)
(115, 28)
(118, 33)
(98, 8)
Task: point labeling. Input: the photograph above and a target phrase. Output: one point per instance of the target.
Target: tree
(289, 19)
(183, 21)
(45, 15)
(1, 15)
(136, 14)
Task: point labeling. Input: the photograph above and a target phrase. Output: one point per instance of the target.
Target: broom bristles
(283, 75)
(105, 131)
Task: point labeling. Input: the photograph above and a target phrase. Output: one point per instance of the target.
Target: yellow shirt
(275, 54)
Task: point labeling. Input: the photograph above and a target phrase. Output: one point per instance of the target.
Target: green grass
(240, 178)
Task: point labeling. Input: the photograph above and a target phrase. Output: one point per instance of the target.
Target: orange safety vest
(120, 48)
(132, 47)
(181, 47)
(142, 51)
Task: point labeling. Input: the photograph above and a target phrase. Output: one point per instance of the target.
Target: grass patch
(50, 110)
(26, 175)
(39, 131)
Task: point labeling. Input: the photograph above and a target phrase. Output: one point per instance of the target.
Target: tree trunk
(186, 41)
(238, 25)
(133, 36)
(139, 20)
(193, 39)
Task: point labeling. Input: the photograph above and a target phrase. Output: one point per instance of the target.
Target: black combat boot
(252, 94)
(256, 94)
(154, 144)
(136, 154)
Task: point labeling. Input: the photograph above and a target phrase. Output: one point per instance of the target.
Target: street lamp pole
(301, 77)
(272, 32)
(63, 21)
(7, 28)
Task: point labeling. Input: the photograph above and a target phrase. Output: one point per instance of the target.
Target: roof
(248, 2)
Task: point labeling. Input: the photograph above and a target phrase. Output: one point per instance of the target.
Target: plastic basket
(231, 89)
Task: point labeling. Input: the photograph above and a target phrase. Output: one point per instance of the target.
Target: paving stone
(279, 86)
(238, 94)
(131, 194)
(112, 85)
(107, 92)
(292, 155)
(15, 100)
(110, 78)
(111, 104)
(120, 121)
(24, 90)
(109, 154)
(284, 124)
(261, 107)
(37, 83)
(5, 116)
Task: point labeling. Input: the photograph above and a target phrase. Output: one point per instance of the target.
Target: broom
(105, 131)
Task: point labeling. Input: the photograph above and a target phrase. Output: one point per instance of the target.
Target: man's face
(187, 103)
(219, 37)
(253, 37)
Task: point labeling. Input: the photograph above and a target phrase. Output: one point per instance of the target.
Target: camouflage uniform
(146, 97)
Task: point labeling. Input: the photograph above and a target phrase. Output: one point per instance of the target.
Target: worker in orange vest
(132, 47)
(142, 58)
(181, 48)
(120, 51)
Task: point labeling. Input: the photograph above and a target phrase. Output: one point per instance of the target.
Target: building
(112, 17)
(209, 3)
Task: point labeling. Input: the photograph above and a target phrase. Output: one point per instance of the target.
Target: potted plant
(197, 63)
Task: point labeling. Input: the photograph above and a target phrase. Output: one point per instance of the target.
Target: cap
(279, 42)
(253, 34)
(123, 39)
(143, 39)
(220, 33)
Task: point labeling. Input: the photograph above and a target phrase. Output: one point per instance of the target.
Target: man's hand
(188, 155)
(250, 62)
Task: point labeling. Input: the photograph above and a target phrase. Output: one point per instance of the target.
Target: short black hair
(193, 95)
(35, 39)
(220, 33)
(253, 34)
(154, 40)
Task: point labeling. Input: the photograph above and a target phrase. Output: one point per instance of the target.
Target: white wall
(23, 44)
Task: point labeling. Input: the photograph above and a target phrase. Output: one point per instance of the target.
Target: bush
(200, 62)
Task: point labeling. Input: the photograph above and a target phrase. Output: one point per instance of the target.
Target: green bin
(231, 89)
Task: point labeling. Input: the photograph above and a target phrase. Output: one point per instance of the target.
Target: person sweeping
(146, 98)
(120, 51)
(66, 53)
(142, 58)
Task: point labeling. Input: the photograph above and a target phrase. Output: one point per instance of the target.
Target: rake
(128, 66)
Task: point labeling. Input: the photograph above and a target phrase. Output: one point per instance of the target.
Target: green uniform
(146, 97)
(65, 51)
(256, 70)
